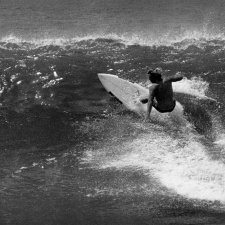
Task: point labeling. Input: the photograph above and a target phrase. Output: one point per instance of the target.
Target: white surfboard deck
(128, 93)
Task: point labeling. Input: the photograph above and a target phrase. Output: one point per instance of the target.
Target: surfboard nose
(104, 75)
(101, 75)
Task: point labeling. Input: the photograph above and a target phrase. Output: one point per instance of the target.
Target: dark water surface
(71, 154)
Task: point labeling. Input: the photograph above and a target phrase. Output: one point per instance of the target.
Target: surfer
(160, 92)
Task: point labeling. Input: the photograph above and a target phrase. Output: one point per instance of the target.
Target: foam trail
(178, 161)
(188, 171)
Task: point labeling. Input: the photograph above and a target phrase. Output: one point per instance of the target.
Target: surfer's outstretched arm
(174, 78)
(150, 101)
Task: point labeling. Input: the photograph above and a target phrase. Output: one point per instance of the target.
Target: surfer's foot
(144, 100)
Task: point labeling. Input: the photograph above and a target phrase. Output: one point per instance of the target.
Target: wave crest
(181, 40)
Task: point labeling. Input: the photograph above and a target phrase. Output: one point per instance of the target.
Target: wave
(171, 150)
(183, 39)
(38, 63)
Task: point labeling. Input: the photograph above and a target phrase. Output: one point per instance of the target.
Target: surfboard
(126, 92)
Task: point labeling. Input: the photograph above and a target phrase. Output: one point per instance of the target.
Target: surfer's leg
(155, 105)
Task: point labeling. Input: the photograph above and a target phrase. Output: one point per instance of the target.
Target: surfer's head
(155, 75)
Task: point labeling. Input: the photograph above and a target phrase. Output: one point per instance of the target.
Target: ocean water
(70, 153)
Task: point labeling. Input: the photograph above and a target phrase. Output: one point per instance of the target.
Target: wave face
(39, 78)
(33, 72)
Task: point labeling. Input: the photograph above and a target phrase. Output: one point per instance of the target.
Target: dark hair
(154, 77)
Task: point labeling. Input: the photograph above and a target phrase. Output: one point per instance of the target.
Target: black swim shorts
(155, 105)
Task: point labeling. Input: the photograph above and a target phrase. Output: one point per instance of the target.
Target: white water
(173, 154)
(195, 86)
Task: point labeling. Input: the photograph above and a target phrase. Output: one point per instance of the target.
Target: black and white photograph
(112, 112)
